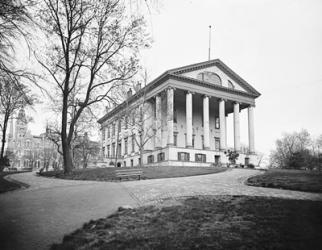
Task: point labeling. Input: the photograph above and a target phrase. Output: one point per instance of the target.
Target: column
(189, 119)
(222, 124)
(251, 141)
(226, 129)
(236, 127)
(158, 121)
(170, 100)
(206, 133)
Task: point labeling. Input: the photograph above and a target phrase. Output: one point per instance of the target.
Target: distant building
(188, 106)
(27, 150)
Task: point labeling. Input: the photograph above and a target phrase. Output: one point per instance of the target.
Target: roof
(176, 74)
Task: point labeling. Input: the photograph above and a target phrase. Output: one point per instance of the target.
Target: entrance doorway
(217, 159)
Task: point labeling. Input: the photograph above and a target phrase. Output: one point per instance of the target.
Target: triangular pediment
(217, 73)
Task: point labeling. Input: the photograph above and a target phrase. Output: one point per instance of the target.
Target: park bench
(126, 173)
(40, 171)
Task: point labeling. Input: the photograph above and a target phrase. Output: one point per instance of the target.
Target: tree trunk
(68, 161)
(3, 143)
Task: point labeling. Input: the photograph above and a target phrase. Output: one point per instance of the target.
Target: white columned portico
(189, 119)
(236, 127)
(170, 100)
(158, 121)
(251, 140)
(206, 122)
(222, 121)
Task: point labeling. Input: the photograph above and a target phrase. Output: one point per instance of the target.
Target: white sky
(276, 46)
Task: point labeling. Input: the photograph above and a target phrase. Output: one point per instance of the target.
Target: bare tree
(12, 97)
(95, 53)
(15, 19)
(86, 149)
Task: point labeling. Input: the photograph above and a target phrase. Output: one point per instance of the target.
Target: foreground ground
(301, 180)
(37, 217)
(6, 185)
(108, 174)
(208, 222)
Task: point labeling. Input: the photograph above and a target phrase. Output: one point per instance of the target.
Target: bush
(111, 163)
(250, 165)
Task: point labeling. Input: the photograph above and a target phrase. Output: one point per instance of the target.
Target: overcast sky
(276, 46)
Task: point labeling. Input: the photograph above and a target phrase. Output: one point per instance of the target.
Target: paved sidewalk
(40, 215)
(226, 183)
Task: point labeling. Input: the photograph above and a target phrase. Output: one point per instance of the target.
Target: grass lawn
(222, 222)
(108, 174)
(7, 185)
(301, 180)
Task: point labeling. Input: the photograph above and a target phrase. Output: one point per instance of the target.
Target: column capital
(170, 88)
(236, 102)
(251, 106)
(223, 99)
(206, 96)
(189, 92)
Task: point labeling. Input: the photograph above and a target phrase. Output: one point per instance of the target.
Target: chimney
(138, 86)
(129, 93)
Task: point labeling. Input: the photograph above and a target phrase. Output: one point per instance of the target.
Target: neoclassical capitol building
(180, 118)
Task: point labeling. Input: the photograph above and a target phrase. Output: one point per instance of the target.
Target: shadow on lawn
(223, 222)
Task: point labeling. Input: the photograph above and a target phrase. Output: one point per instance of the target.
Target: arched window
(231, 85)
(210, 77)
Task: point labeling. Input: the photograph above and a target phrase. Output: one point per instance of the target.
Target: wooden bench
(40, 171)
(126, 173)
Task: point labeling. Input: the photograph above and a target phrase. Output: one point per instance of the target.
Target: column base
(189, 146)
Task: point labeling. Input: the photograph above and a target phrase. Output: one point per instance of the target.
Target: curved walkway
(35, 217)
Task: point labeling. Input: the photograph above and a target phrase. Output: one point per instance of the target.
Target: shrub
(250, 165)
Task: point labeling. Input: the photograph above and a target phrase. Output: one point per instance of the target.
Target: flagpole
(209, 42)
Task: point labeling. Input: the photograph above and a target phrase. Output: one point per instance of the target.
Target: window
(103, 134)
(193, 140)
(124, 164)
(150, 158)
(108, 151)
(160, 156)
(174, 113)
(113, 149)
(126, 122)
(183, 156)
(217, 143)
(210, 77)
(108, 132)
(200, 157)
(133, 119)
(175, 139)
(119, 149)
(217, 123)
(133, 142)
(132, 163)
(119, 124)
(139, 161)
(231, 85)
(125, 146)
(113, 129)
(202, 141)
(103, 150)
